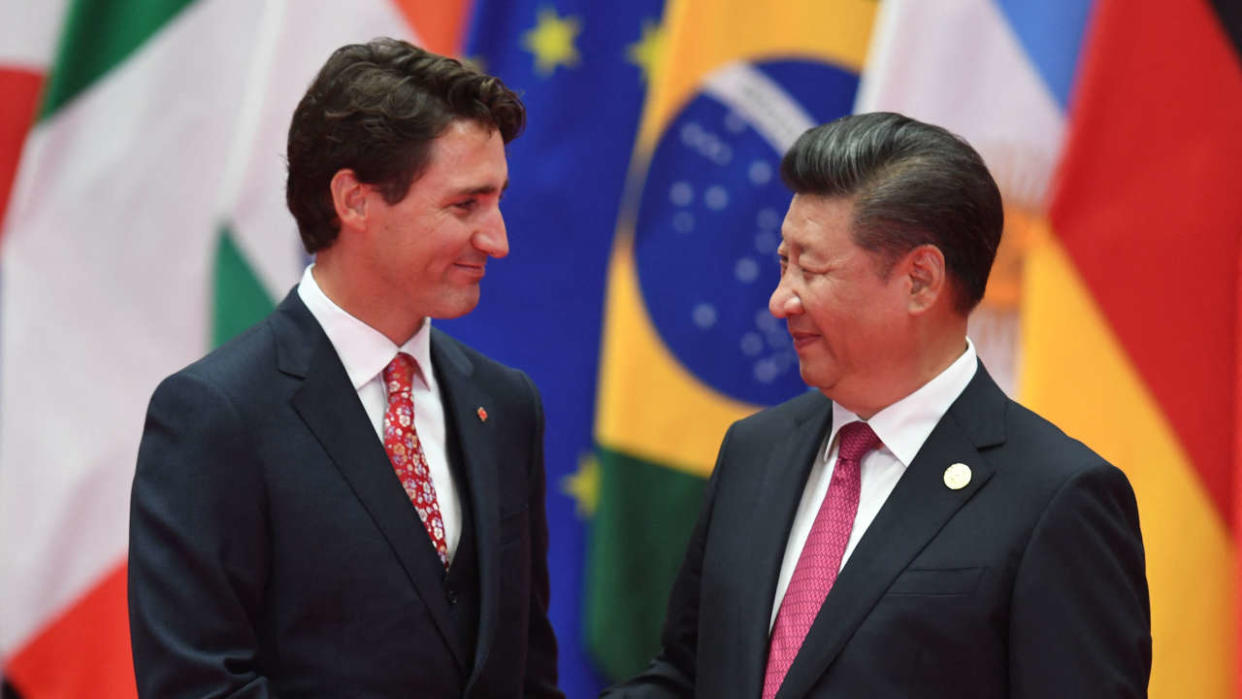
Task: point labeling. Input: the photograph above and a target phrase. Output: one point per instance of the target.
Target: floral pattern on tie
(406, 453)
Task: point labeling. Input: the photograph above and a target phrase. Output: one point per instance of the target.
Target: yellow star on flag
(645, 53)
(552, 41)
(583, 486)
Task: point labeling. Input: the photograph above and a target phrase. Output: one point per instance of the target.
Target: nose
(491, 238)
(784, 302)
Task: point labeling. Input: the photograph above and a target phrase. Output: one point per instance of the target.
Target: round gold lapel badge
(957, 476)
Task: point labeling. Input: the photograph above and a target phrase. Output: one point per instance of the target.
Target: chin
(815, 377)
(450, 314)
(456, 308)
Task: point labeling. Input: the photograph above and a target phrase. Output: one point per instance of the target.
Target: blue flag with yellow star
(582, 68)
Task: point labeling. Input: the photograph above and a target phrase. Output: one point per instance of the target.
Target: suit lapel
(462, 397)
(913, 515)
(763, 548)
(328, 404)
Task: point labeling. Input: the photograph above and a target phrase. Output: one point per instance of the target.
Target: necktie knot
(399, 375)
(857, 438)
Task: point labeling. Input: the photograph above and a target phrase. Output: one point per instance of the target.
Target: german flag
(1131, 315)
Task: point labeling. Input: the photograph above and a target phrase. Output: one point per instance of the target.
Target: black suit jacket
(273, 551)
(1028, 582)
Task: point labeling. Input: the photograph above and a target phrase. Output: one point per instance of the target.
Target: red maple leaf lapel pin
(482, 414)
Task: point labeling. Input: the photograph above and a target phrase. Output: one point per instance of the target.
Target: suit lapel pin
(483, 416)
(957, 476)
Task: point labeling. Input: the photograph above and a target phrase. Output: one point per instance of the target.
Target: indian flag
(688, 344)
(145, 225)
(1112, 127)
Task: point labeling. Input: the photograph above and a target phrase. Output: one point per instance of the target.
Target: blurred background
(142, 201)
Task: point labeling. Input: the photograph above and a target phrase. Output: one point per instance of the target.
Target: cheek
(444, 247)
(428, 255)
(853, 322)
(832, 306)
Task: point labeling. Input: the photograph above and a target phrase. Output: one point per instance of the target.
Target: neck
(367, 305)
(932, 353)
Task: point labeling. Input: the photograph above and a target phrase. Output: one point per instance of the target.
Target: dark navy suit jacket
(1028, 582)
(274, 553)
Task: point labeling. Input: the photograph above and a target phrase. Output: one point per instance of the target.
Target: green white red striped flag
(146, 224)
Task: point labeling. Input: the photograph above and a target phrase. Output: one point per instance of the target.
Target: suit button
(452, 596)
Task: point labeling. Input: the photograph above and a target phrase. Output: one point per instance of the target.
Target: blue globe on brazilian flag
(709, 222)
(689, 345)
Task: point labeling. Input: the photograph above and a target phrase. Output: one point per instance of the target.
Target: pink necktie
(821, 556)
(406, 453)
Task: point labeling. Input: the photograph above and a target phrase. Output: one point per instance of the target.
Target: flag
(1112, 130)
(582, 69)
(147, 223)
(27, 42)
(689, 345)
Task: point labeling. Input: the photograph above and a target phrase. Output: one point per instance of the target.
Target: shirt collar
(906, 424)
(363, 350)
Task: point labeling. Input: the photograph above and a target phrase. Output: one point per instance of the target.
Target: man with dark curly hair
(344, 501)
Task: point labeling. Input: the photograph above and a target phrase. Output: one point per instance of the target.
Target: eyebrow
(484, 189)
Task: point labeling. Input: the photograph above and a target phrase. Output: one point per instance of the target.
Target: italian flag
(145, 224)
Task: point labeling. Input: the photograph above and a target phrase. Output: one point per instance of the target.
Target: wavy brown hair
(375, 108)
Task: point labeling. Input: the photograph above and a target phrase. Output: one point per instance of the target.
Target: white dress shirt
(365, 352)
(902, 427)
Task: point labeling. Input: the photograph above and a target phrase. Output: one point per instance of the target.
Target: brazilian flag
(688, 344)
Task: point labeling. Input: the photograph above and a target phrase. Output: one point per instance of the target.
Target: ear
(349, 198)
(928, 279)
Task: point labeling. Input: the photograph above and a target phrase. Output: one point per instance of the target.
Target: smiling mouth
(802, 339)
(473, 270)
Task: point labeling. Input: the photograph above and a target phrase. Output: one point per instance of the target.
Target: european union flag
(581, 68)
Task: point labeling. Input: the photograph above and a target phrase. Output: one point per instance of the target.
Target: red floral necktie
(820, 560)
(406, 453)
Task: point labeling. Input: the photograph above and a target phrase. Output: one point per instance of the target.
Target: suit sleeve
(1080, 618)
(198, 548)
(671, 673)
(541, 657)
